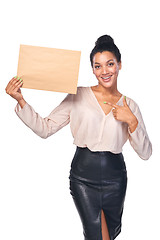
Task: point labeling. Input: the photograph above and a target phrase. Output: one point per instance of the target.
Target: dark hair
(105, 43)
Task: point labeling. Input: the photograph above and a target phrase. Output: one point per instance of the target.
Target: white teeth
(106, 77)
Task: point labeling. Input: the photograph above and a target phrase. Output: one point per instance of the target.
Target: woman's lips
(106, 79)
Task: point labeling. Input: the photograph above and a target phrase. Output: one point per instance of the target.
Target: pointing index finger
(113, 105)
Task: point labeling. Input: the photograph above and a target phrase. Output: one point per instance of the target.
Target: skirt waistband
(97, 152)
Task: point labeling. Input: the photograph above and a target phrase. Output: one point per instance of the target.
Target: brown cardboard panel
(49, 69)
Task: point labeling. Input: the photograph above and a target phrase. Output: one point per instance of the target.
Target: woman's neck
(112, 91)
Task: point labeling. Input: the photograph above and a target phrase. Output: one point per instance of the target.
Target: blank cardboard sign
(49, 69)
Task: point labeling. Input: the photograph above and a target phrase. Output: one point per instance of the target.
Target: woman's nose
(104, 70)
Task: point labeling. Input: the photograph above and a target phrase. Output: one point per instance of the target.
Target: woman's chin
(106, 84)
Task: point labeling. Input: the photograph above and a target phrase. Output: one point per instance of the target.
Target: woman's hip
(97, 167)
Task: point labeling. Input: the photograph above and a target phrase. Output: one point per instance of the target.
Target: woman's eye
(97, 66)
(111, 64)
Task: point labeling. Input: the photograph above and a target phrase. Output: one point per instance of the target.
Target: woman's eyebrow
(106, 62)
(110, 60)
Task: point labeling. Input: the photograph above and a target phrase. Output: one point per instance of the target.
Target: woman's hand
(124, 114)
(13, 89)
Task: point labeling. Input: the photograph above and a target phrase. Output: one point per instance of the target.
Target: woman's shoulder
(80, 90)
(79, 95)
(132, 103)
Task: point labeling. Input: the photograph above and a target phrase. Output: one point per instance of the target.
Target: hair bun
(105, 39)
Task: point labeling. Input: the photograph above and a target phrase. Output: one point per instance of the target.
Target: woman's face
(106, 68)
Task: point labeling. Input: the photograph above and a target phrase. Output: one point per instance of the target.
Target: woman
(101, 120)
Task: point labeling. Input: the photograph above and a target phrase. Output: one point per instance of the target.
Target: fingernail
(18, 78)
(15, 77)
(124, 97)
(104, 102)
(21, 79)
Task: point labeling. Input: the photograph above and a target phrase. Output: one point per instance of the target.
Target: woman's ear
(120, 65)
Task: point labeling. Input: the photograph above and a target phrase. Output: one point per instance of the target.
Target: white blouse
(89, 125)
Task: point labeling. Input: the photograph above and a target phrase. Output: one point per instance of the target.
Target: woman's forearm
(22, 102)
(133, 124)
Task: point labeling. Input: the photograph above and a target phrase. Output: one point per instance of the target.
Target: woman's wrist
(132, 124)
(22, 102)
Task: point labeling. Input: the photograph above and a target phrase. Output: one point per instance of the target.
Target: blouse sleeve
(139, 139)
(45, 127)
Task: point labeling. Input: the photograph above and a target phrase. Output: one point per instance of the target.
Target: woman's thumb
(125, 102)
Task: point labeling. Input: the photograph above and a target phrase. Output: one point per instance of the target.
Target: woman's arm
(138, 138)
(45, 127)
(22, 102)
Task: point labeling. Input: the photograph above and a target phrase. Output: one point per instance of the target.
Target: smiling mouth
(106, 78)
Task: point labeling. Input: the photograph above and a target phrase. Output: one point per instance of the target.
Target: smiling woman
(97, 186)
(106, 67)
(98, 174)
(106, 61)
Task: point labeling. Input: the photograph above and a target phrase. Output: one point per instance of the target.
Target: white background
(35, 201)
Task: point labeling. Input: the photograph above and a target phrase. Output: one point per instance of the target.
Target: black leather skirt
(98, 180)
